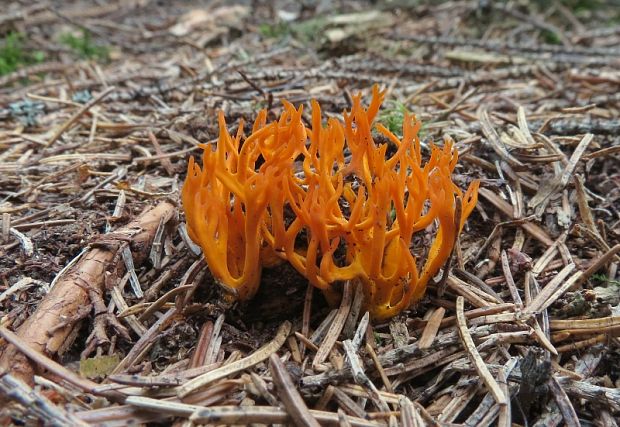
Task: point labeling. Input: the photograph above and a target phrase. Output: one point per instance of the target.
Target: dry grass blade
(293, 402)
(267, 415)
(556, 287)
(79, 114)
(335, 327)
(474, 356)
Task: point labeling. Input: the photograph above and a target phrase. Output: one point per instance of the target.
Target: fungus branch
(370, 204)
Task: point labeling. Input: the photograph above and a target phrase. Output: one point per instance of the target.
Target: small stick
(305, 325)
(37, 403)
(377, 362)
(306, 342)
(24, 240)
(159, 303)
(165, 161)
(535, 230)
(600, 262)
(254, 414)
(360, 377)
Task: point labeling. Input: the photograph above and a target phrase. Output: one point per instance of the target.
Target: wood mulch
(108, 316)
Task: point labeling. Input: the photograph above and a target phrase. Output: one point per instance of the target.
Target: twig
(514, 292)
(47, 329)
(266, 415)
(506, 208)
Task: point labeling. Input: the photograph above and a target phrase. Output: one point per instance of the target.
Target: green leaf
(99, 366)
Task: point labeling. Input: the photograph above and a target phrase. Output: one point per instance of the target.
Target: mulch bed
(108, 315)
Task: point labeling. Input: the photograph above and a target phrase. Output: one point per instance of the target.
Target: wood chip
(431, 329)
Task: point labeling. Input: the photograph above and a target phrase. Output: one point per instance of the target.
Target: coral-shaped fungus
(329, 200)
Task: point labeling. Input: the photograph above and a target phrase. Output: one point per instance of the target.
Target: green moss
(600, 278)
(84, 46)
(392, 117)
(378, 341)
(274, 31)
(13, 55)
(308, 31)
(99, 366)
(551, 37)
